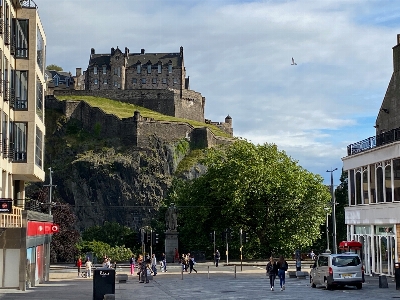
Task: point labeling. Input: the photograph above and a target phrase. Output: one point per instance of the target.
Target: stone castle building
(156, 81)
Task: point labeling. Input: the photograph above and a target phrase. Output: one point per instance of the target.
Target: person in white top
(88, 266)
(154, 264)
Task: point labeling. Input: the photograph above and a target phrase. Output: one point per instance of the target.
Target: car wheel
(359, 286)
(312, 284)
(327, 285)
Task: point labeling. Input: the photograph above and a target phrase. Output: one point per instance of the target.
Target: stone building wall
(167, 102)
(136, 130)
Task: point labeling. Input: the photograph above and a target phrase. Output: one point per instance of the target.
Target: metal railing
(11, 220)
(381, 139)
(28, 4)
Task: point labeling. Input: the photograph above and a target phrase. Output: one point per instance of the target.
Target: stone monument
(171, 234)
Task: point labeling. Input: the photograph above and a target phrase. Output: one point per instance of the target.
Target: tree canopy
(258, 189)
(54, 67)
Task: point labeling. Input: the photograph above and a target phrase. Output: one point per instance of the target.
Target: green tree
(258, 189)
(110, 233)
(54, 67)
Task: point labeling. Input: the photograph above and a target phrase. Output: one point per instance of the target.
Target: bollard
(208, 272)
(235, 271)
(182, 273)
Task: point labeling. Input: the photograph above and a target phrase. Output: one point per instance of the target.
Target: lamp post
(327, 228)
(333, 212)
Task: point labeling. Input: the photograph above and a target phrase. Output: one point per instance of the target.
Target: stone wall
(136, 130)
(167, 102)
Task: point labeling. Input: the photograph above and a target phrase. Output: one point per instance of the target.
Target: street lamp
(333, 212)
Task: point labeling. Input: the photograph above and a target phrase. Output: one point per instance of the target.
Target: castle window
(175, 81)
(119, 71)
(143, 80)
(148, 69)
(159, 69)
(139, 69)
(105, 81)
(154, 80)
(170, 68)
(95, 70)
(56, 80)
(104, 70)
(117, 57)
(134, 80)
(96, 81)
(115, 83)
(164, 80)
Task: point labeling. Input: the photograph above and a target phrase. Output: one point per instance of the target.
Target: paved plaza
(209, 283)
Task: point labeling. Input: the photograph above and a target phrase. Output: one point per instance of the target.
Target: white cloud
(238, 55)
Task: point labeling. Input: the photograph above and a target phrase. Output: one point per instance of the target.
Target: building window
(143, 80)
(95, 70)
(21, 32)
(96, 81)
(148, 69)
(39, 98)
(159, 69)
(56, 80)
(139, 69)
(104, 70)
(164, 80)
(115, 84)
(105, 81)
(170, 68)
(154, 80)
(38, 147)
(175, 81)
(134, 80)
(40, 49)
(19, 138)
(21, 90)
(119, 71)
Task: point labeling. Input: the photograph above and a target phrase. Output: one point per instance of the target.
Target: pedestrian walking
(191, 265)
(79, 265)
(164, 261)
(88, 267)
(132, 263)
(282, 268)
(272, 271)
(217, 257)
(154, 264)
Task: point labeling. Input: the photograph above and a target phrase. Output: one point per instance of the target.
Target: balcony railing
(11, 220)
(28, 4)
(381, 139)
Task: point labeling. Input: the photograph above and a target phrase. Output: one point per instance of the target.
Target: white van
(337, 270)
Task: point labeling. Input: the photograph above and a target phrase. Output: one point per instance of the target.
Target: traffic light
(247, 237)
(148, 237)
(155, 238)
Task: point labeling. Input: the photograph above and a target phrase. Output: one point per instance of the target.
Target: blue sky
(238, 55)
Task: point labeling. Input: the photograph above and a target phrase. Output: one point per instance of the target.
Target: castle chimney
(78, 72)
(126, 51)
(398, 39)
(142, 51)
(181, 51)
(112, 51)
(92, 51)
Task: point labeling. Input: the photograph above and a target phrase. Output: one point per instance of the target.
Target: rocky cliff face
(106, 180)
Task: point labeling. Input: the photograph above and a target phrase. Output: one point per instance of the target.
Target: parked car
(342, 269)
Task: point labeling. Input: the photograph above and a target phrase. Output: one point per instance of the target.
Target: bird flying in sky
(293, 63)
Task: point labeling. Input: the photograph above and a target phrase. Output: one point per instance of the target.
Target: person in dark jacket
(191, 265)
(217, 257)
(272, 271)
(282, 268)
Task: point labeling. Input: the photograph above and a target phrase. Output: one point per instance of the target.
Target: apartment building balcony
(11, 220)
(379, 140)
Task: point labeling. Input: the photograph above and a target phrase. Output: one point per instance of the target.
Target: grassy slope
(126, 110)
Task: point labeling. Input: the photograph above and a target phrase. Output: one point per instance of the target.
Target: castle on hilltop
(156, 81)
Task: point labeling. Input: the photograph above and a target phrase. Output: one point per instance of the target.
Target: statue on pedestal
(171, 219)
